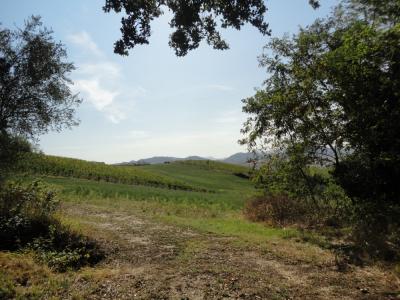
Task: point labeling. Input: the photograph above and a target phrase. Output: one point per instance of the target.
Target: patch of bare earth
(149, 260)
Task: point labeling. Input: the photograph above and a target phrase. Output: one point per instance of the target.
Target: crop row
(216, 166)
(40, 164)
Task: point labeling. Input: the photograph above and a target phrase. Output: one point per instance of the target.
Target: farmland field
(177, 231)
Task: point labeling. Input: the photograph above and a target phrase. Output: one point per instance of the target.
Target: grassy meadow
(167, 241)
(214, 202)
(34, 163)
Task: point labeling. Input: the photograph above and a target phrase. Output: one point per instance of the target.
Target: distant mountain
(155, 160)
(240, 158)
(159, 160)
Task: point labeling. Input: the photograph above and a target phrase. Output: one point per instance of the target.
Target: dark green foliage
(25, 213)
(192, 21)
(314, 3)
(377, 11)
(296, 193)
(27, 221)
(10, 148)
(35, 93)
(63, 249)
(334, 93)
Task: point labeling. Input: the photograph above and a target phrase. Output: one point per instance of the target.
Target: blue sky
(152, 102)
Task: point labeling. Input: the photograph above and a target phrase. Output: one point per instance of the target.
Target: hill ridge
(239, 158)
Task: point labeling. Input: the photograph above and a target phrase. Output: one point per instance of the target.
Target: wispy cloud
(101, 82)
(98, 96)
(103, 100)
(100, 69)
(85, 41)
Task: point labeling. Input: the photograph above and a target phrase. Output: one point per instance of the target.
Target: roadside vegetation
(28, 222)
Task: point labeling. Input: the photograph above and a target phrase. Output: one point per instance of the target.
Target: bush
(25, 213)
(27, 221)
(374, 189)
(376, 233)
(279, 210)
(64, 249)
(298, 193)
(10, 148)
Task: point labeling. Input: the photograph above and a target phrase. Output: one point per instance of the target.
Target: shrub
(64, 249)
(25, 213)
(298, 193)
(10, 148)
(27, 221)
(278, 210)
(376, 233)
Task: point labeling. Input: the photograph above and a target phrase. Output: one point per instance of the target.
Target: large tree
(192, 21)
(35, 93)
(334, 89)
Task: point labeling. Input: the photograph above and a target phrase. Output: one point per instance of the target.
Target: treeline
(40, 164)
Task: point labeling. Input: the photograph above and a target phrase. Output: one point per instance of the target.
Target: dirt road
(151, 260)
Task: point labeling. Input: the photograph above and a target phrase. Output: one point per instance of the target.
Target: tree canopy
(334, 91)
(35, 93)
(192, 21)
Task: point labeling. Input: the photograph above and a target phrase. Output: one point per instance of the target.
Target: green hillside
(137, 217)
(39, 164)
(214, 187)
(204, 174)
(202, 194)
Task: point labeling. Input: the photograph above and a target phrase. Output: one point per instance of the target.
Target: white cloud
(102, 99)
(101, 82)
(84, 40)
(97, 95)
(115, 114)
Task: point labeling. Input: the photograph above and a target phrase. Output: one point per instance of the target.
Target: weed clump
(278, 210)
(27, 222)
(7, 290)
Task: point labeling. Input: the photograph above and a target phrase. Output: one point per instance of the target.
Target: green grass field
(39, 164)
(214, 203)
(168, 242)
